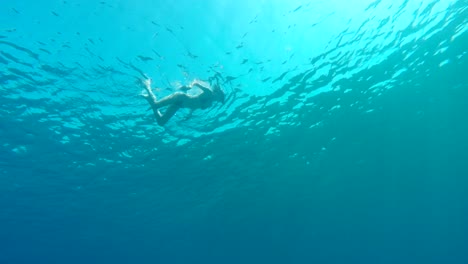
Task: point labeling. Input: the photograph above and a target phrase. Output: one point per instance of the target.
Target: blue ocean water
(343, 138)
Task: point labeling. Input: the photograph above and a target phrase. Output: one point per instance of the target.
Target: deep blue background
(343, 139)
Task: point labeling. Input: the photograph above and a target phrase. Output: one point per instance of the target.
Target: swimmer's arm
(203, 88)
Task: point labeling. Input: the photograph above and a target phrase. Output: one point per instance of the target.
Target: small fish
(143, 58)
(230, 78)
(297, 9)
(281, 77)
(159, 55)
(191, 55)
(121, 61)
(55, 14)
(91, 53)
(254, 20)
(16, 11)
(46, 51)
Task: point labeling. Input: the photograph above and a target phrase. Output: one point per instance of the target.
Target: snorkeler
(179, 100)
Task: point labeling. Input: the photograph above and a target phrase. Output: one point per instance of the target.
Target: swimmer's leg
(162, 119)
(150, 97)
(177, 98)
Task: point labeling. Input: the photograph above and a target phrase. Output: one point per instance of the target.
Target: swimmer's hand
(184, 88)
(203, 88)
(198, 85)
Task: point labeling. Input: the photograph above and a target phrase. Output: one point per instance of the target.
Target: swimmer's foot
(150, 97)
(147, 84)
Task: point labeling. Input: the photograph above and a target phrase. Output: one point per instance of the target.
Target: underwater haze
(343, 137)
